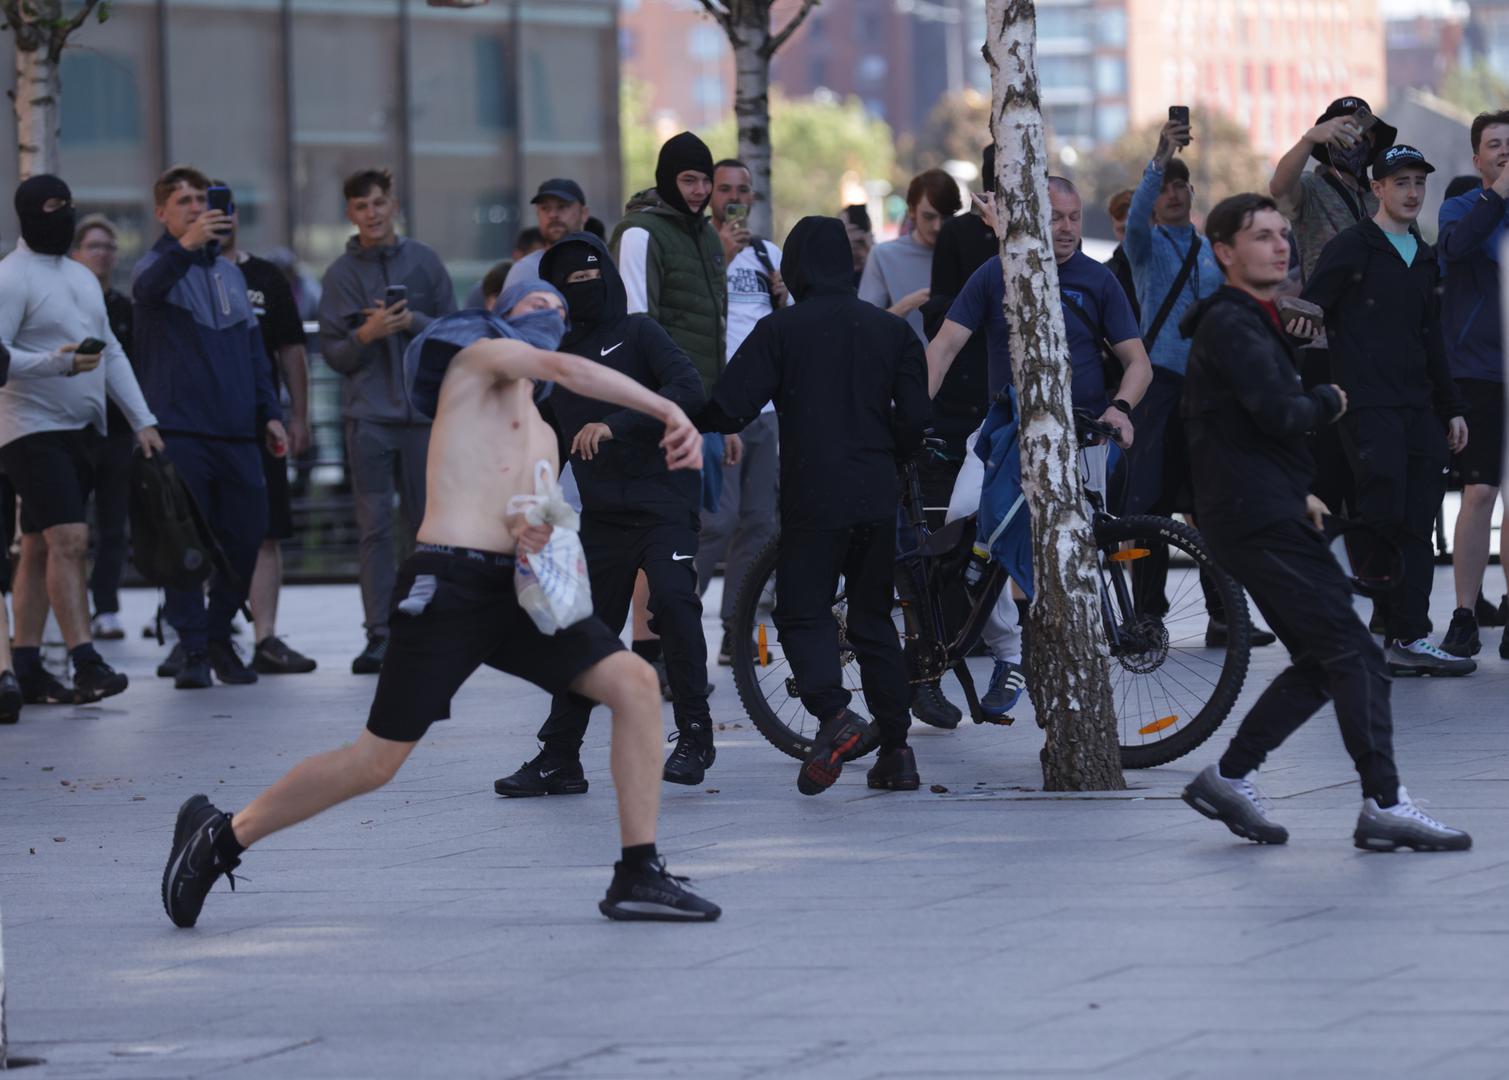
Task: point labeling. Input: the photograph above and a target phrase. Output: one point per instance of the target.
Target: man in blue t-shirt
(1097, 318)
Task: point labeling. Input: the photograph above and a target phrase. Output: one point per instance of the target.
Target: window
(1110, 123)
(1058, 72)
(101, 104)
(1110, 76)
(704, 42)
(1062, 22)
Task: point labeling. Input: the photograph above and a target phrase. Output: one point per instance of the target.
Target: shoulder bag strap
(1173, 293)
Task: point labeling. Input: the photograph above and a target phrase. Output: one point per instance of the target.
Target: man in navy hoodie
(1473, 226)
(203, 370)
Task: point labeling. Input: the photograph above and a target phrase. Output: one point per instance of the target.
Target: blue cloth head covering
(429, 355)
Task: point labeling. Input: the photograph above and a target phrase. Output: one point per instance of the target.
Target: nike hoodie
(628, 475)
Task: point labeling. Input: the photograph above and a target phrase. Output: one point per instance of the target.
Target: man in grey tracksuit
(363, 338)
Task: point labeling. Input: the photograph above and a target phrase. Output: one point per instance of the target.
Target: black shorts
(53, 473)
(279, 506)
(1483, 459)
(453, 610)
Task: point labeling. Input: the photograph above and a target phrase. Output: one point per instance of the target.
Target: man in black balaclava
(636, 514)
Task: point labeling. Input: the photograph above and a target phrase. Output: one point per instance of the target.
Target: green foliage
(957, 129)
(1475, 87)
(1221, 161)
(639, 144)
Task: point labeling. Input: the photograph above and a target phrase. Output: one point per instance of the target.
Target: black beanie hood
(44, 233)
(679, 154)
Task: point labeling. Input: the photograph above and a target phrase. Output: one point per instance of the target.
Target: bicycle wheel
(762, 673)
(1170, 690)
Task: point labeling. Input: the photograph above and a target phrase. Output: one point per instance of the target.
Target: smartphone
(1178, 114)
(1292, 307)
(1364, 121)
(736, 212)
(394, 295)
(220, 199)
(91, 347)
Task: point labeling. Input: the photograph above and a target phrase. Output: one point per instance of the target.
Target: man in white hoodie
(52, 415)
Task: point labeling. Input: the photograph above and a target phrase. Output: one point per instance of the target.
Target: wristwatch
(1122, 405)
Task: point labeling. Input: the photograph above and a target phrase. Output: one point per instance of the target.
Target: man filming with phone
(376, 297)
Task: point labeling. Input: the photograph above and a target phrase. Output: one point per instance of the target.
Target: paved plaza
(980, 929)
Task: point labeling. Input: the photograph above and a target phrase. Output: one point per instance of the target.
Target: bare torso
(485, 442)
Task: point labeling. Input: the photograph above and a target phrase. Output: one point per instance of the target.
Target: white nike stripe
(610, 348)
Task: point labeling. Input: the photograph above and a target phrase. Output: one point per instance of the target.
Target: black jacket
(1246, 417)
(849, 381)
(628, 473)
(1383, 322)
(965, 243)
(1121, 266)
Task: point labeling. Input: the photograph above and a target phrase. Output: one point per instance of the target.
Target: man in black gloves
(849, 381)
(1247, 418)
(636, 513)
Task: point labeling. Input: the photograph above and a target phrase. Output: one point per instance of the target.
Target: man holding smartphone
(382, 292)
(64, 361)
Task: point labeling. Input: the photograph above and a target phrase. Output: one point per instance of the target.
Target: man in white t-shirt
(747, 513)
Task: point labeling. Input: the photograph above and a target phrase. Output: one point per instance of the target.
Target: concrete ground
(984, 930)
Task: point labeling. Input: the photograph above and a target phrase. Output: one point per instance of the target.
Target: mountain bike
(1171, 692)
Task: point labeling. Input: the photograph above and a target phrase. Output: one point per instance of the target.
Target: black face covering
(585, 300)
(681, 153)
(44, 233)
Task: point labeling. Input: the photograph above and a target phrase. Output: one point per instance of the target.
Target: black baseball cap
(1397, 158)
(1383, 134)
(560, 188)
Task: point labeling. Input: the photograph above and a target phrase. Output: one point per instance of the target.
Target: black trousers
(1298, 586)
(808, 567)
(112, 493)
(617, 548)
(1333, 483)
(1398, 459)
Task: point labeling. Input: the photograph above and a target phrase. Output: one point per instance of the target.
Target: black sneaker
(10, 697)
(40, 687)
(94, 679)
(836, 741)
(194, 864)
(693, 756)
(369, 660)
(932, 708)
(1488, 614)
(225, 661)
(1216, 636)
(1504, 646)
(894, 770)
(194, 674)
(274, 657)
(548, 774)
(649, 893)
(170, 667)
(726, 652)
(1462, 638)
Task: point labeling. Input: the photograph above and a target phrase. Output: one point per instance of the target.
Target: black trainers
(194, 864)
(549, 773)
(170, 667)
(1216, 636)
(726, 652)
(1489, 615)
(836, 740)
(649, 893)
(40, 687)
(274, 657)
(225, 661)
(94, 679)
(10, 697)
(932, 708)
(693, 756)
(894, 770)
(194, 673)
(369, 660)
(1462, 638)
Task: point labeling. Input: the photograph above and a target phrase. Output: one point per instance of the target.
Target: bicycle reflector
(1372, 563)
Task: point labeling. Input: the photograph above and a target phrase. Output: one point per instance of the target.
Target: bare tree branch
(77, 21)
(27, 36)
(779, 38)
(723, 16)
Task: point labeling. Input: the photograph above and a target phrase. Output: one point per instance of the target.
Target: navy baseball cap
(1397, 158)
(560, 188)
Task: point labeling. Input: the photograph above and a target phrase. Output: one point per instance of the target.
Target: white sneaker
(1423, 657)
(1238, 804)
(107, 627)
(1405, 825)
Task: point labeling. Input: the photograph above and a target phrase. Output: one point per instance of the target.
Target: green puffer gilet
(686, 284)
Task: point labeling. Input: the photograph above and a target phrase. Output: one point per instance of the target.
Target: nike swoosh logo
(548, 775)
(610, 348)
(677, 557)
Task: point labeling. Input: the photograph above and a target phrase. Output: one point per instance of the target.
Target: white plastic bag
(551, 584)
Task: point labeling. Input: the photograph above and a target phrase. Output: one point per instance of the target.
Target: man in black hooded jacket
(849, 382)
(636, 514)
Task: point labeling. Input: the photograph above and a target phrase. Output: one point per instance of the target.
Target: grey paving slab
(991, 930)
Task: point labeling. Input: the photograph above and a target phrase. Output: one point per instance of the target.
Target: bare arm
(1136, 370)
(1284, 187)
(293, 361)
(941, 352)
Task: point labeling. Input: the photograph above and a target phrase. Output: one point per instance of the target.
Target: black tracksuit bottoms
(808, 567)
(1303, 594)
(617, 548)
(1398, 459)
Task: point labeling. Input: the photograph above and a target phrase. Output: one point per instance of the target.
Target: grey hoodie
(373, 388)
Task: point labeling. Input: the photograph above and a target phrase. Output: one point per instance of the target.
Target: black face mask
(44, 233)
(586, 301)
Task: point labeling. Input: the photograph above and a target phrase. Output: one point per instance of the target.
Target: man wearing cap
(561, 208)
(1378, 283)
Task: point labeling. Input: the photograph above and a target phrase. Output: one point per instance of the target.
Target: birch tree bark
(42, 28)
(746, 23)
(1068, 667)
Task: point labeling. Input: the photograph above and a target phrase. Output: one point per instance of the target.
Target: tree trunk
(1068, 669)
(750, 40)
(37, 97)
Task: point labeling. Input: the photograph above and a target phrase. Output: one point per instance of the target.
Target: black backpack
(169, 542)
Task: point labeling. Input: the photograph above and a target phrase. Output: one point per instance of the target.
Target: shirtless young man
(457, 609)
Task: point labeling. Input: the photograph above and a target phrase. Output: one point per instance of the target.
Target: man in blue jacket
(202, 367)
(1473, 226)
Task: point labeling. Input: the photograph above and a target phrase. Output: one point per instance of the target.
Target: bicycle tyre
(1109, 536)
(746, 667)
